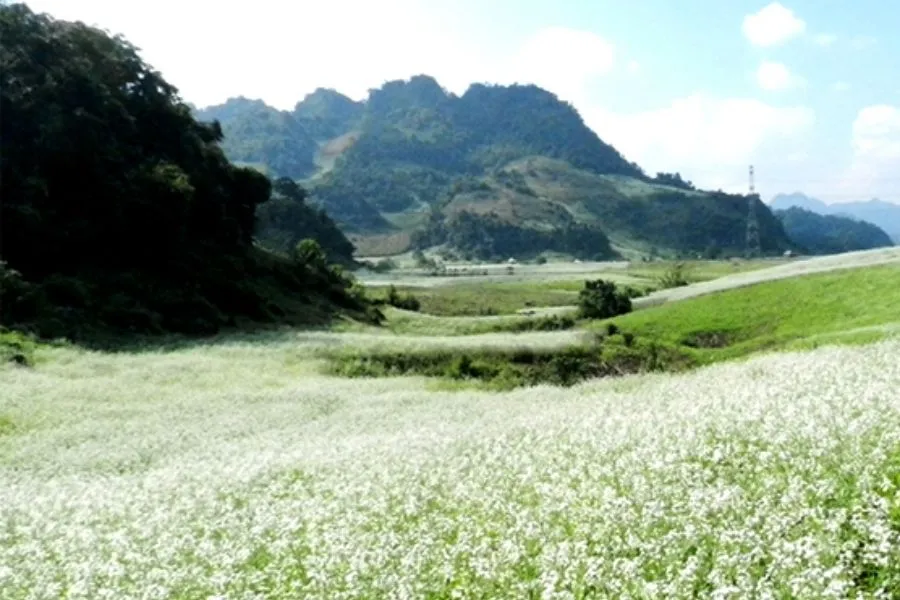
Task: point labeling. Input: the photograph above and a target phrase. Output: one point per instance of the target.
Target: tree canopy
(120, 209)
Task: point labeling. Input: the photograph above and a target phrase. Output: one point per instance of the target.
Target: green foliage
(256, 133)
(17, 348)
(489, 298)
(677, 275)
(488, 237)
(420, 156)
(403, 301)
(287, 218)
(545, 323)
(830, 234)
(120, 212)
(601, 299)
(385, 265)
(846, 305)
(673, 180)
(327, 114)
(507, 368)
(422, 261)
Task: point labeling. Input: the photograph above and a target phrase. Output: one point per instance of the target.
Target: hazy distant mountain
(830, 234)
(885, 215)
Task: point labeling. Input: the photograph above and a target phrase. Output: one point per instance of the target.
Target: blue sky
(808, 91)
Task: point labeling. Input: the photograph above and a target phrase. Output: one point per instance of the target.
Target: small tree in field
(601, 300)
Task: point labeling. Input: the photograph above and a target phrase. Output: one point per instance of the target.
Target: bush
(310, 253)
(545, 323)
(384, 265)
(404, 301)
(601, 300)
(16, 347)
(675, 276)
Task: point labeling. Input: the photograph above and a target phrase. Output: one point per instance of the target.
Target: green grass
(700, 270)
(481, 299)
(850, 306)
(511, 367)
(844, 307)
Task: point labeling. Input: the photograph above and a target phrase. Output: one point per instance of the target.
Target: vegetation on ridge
(120, 212)
(830, 234)
(499, 171)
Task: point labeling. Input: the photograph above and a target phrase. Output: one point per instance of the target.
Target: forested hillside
(830, 234)
(498, 171)
(885, 215)
(121, 212)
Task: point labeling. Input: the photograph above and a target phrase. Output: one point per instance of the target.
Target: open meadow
(254, 467)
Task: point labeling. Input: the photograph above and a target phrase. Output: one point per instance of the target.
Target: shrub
(310, 253)
(675, 276)
(382, 266)
(601, 300)
(403, 301)
(545, 323)
(17, 347)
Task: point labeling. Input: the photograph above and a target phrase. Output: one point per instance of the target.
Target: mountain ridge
(830, 234)
(885, 215)
(410, 158)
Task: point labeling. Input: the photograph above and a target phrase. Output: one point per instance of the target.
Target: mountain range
(495, 172)
(885, 215)
(830, 234)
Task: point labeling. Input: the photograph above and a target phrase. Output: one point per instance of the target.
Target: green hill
(122, 215)
(830, 234)
(498, 171)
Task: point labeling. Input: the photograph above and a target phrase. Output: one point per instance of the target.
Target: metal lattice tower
(753, 244)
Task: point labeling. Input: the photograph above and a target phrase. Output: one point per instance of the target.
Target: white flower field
(235, 471)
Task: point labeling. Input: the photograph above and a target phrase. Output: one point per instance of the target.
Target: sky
(807, 91)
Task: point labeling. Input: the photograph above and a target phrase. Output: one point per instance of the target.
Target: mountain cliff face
(885, 215)
(511, 165)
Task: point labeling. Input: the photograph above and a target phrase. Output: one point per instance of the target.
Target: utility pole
(753, 244)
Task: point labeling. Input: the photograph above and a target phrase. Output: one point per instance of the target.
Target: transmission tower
(753, 245)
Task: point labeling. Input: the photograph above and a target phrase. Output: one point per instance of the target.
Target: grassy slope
(845, 306)
(854, 304)
(556, 192)
(541, 286)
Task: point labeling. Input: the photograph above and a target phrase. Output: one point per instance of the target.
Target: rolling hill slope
(498, 171)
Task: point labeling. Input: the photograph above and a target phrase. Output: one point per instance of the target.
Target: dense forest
(830, 234)
(121, 212)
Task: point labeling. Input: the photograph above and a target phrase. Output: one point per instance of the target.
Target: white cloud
(825, 39)
(774, 76)
(840, 86)
(772, 25)
(559, 59)
(861, 42)
(281, 51)
(875, 168)
(710, 140)
(633, 67)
